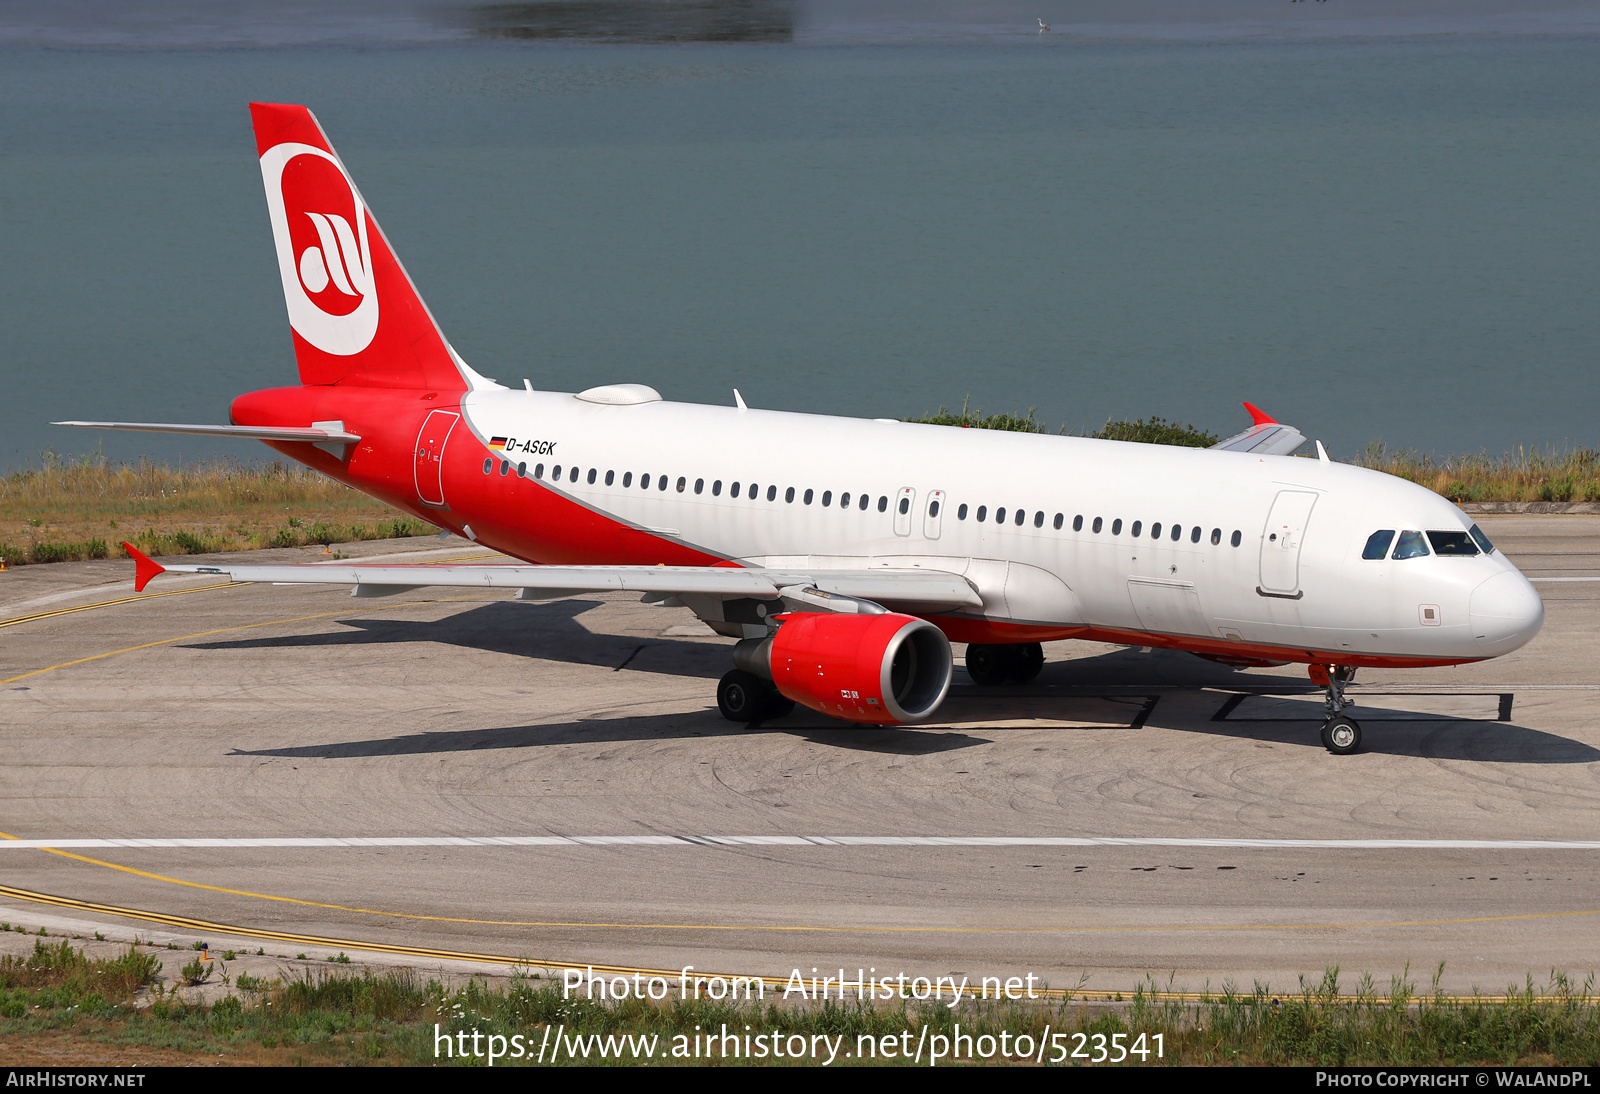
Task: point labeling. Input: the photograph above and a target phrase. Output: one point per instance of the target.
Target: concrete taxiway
(453, 773)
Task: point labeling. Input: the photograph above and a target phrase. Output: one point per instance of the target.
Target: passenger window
(1411, 545)
(1452, 543)
(522, 470)
(682, 482)
(1134, 530)
(488, 465)
(772, 493)
(611, 477)
(844, 500)
(827, 497)
(733, 491)
(661, 483)
(556, 473)
(754, 491)
(1077, 523)
(1155, 530)
(1235, 540)
(627, 478)
(788, 495)
(699, 486)
(883, 504)
(807, 498)
(1216, 536)
(644, 480)
(1000, 515)
(1194, 534)
(905, 506)
(983, 512)
(1378, 544)
(1060, 518)
(1177, 532)
(961, 511)
(862, 504)
(592, 473)
(1116, 527)
(1482, 540)
(933, 509)
(505, 465)
(716, 488)
(1096, 525)
(573, 477)
(1022, 515)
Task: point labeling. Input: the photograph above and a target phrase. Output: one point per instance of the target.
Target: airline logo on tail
(320, 227)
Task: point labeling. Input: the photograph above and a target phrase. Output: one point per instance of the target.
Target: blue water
(1388, 237)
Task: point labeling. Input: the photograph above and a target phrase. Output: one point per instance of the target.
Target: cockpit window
(1411, 545)
(1378, 543)
(1482, 540)
(1452, 543)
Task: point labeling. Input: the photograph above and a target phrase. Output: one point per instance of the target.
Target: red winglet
(1259, 416)
(145, 567)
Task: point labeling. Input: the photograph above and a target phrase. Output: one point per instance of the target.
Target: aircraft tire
(1030, 660)
(1341, 736)
(989, 665)
(744, 696)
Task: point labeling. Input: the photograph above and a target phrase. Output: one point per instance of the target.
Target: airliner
(843, 555)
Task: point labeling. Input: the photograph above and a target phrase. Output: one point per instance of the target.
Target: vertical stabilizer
(356, 316)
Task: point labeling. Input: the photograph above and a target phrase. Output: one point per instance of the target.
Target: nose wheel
(1341, 734)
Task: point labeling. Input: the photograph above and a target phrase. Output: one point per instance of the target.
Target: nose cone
(1506, 613)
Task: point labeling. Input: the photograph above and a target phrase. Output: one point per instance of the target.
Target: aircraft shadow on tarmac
(651, 727)
(550, 631)
(543, 632)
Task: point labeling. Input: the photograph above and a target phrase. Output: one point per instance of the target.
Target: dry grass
(64, 510)
(1524, 475)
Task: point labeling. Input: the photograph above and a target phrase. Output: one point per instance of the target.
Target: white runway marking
(809, 841)
(1564, 579)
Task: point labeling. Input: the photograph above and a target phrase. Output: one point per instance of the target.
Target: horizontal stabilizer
(313, 434)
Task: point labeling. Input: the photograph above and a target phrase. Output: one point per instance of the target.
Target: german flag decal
(498, 444)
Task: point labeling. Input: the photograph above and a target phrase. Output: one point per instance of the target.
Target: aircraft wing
(1265, 437)
(925, 590)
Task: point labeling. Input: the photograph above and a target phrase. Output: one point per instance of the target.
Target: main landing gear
(1011, 664)
(1341, 735)
(745, 697)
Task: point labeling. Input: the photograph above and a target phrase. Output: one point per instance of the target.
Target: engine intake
(878, 669)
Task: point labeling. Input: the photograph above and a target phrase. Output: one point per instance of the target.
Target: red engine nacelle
(881, 669)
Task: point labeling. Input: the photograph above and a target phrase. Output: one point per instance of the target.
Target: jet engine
(878, 669)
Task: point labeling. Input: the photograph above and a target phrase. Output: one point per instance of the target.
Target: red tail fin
(356, 317)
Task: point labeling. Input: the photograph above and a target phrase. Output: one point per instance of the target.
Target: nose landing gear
(1341, 735)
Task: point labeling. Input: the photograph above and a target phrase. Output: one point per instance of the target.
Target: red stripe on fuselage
(524, 518)
(966, 629)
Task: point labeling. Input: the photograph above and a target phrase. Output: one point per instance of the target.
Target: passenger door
(430, 455)
(1280, 543)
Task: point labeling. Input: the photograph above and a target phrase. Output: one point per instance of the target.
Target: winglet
(145, 567)
(1259, 416)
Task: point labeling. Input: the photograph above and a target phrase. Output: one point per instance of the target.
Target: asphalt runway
(454, 773)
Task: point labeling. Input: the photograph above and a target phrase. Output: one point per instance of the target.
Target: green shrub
(1155, 431)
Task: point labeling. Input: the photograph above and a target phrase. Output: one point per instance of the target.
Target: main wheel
(1341, 736)
(989, 665)
(743, 696)
(1030, 659)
